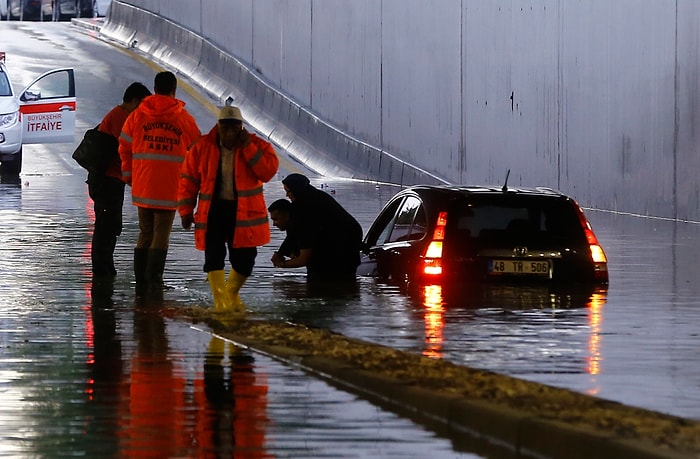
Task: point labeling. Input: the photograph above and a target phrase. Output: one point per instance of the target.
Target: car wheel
(12, 167)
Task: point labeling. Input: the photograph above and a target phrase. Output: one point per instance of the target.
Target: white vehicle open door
(47, 108)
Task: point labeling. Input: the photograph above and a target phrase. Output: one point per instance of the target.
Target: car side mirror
(29, 96)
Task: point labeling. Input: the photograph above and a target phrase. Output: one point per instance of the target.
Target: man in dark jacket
(281, 217)
(107, 189)
(327, 236)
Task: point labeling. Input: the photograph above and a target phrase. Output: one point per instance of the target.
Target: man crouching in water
(321, 235)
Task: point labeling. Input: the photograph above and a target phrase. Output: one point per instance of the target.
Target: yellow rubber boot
(217, 284)
(234, 284)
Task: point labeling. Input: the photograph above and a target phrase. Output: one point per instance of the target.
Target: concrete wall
(598, 99)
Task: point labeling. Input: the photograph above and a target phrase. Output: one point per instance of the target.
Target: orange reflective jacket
(112, 124)
(253, 165)
(152, 147)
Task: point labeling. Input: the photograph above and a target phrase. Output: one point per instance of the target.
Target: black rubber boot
(155, 268)
(140, 263)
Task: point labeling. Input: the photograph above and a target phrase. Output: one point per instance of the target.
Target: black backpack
(96, 151)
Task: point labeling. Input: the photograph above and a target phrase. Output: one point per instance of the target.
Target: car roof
(484, 190)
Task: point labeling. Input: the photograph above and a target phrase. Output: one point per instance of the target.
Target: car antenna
(505, 185)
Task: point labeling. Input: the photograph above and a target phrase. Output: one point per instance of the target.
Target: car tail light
(600, 261)
(432, 261)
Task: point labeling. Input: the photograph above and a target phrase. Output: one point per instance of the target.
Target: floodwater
(90, 370)
(635, 342)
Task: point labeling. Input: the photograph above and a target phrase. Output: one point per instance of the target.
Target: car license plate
(505, 266)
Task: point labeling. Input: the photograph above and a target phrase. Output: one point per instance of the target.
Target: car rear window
(518, 219)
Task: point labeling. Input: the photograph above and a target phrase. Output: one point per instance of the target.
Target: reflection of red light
(434, 320)
(595, 320)
(89, 338)
(90, 212)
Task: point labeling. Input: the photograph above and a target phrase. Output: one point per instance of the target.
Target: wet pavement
(83, 366)
(91, 372)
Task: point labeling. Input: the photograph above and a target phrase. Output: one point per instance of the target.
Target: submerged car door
(374, 241)
(391, 242)
(47, 107)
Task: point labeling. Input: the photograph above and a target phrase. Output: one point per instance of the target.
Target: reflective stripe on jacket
(152, 147)
(253, 165)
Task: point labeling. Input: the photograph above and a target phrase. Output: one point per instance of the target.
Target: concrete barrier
(288, 125)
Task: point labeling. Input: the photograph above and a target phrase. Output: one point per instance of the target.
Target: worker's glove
(187, 221)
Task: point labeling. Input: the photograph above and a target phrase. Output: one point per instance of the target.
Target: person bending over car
(280, 214)
(328, 238)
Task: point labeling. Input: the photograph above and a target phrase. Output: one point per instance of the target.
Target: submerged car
(462, 234)
(44, 112)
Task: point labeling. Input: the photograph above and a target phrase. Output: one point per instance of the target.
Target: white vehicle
(44, 112)
(47, 10)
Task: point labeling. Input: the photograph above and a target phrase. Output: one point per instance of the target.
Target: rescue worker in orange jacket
(223, 178)
(152, 147)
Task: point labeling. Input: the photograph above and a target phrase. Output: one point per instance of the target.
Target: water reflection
(10, 193)
(237, 402)
(156, 389)
(434, 320)
(312, 304)
(148, 402)
(522, 296)
(438, 305)
(595, 322)
(630, 344)
(104, 359)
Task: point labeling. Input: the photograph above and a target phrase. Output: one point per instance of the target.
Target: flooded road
(88, 371)
(80, 360)
(635, 342)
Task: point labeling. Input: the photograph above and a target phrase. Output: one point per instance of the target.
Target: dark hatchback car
(472, 234)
